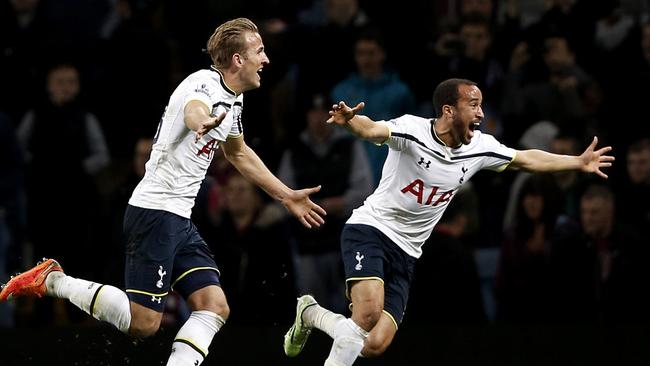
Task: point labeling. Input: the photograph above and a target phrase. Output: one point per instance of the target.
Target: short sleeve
(402, 130)
(498, 156)
(202, 91)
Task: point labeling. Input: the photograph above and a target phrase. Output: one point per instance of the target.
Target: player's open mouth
(474, 126)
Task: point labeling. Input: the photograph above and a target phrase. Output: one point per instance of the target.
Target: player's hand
(341, 113)
(209, 124)
(306, 211)
(593, 160)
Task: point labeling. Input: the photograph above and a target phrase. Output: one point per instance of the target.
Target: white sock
(318, 317)
(348, 343)
(103, 302)
(191, 344)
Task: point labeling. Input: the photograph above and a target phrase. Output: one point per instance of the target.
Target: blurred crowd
(83, 84)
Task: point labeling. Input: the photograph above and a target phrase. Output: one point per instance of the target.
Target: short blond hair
(228, 39)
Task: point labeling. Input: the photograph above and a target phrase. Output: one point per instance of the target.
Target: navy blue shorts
(369, 254)
(164, 251)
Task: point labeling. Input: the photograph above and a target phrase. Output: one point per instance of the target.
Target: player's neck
(441, 129)
(231, 81)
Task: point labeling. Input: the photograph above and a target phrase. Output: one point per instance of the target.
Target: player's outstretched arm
(199, 119)
(297, 202)
(359, 125)
(590, 161)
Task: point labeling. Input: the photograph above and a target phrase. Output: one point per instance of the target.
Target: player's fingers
(594, 142)
(601, 174)
(359, 107)
(607, 158)
(604, 150)
(220, 118)
(318, 209)
(304, 222)
(604, 165)
(311, 221)
(316, 217)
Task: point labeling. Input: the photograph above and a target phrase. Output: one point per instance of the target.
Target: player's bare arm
(199, 119)
(297, 202)
(590, 161)
(359, 125)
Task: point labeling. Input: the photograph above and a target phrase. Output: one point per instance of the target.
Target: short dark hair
(446, 93)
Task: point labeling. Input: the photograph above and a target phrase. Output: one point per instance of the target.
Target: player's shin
(103, 302)
(348, 343)
(320, 318)
(191, 344)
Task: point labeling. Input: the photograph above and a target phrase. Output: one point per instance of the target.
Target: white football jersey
(178, 164)
(420, 177)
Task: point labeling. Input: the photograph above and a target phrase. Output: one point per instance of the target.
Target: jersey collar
(221, 80)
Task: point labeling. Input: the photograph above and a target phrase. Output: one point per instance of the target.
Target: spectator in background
(634, 194)
(69, 169)
(538, 136)
(331, 157)
(252, 246)
(381, 88)
(523, 277)
(300, 74)
(80, 154)
(546, 136)
(600, 269)
(468, 53)
(555, 96)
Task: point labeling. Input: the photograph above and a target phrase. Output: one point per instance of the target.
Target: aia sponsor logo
(417, 189)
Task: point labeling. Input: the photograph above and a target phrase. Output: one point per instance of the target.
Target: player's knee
(217, 305)
(144, 327)
(141, 330)
(222, 309)
(369, 316)
(210, 299)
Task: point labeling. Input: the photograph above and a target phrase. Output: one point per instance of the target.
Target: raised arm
(198, 118)
(590, 161)
(253, 168)
(359, 125)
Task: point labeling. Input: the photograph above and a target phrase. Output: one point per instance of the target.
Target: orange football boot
(31, 282)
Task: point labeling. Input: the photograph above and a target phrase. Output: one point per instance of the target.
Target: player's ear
(239, 59)
(447, 109)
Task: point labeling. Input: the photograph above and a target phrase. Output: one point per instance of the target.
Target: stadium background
(551, 71)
